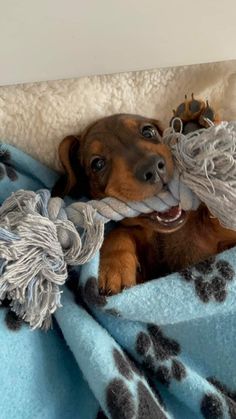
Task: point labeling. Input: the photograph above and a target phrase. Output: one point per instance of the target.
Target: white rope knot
(37, 242)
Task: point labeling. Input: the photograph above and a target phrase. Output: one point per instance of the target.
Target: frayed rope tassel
(36, 245)
(206, 160)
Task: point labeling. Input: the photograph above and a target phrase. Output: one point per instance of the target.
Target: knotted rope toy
(40, 236)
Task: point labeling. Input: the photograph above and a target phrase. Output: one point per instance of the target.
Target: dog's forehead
(117, 123)
(114, 133)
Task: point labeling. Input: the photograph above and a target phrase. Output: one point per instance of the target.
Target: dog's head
(120, 156)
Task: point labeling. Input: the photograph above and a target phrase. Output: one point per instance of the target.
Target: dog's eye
(148, 131)
(97, 164)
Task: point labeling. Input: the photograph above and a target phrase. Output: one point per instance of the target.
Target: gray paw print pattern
(211, 404)
(6, 167)
(125, 401)
(12, 321)
(210, 279)
(158, 355)
(88, 295)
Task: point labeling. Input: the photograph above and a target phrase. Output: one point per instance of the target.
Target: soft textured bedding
(35, 117)
(163, 349)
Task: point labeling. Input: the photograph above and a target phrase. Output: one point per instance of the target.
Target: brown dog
(122, 156)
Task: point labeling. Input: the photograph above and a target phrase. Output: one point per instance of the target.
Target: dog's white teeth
(169, 220)
(177, 216)
(166, 220)
(159, 218)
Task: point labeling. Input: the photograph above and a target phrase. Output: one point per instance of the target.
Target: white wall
(51, 39)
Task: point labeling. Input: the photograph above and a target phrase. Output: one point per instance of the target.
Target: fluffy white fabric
(36, 117)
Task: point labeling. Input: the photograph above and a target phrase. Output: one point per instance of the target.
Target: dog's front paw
(194, 114)
(117, 271)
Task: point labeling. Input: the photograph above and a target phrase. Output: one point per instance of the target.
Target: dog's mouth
(168, 220)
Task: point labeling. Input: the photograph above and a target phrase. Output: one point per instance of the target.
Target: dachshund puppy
(122, 156)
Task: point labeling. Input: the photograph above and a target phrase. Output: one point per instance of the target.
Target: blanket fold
(164, 349)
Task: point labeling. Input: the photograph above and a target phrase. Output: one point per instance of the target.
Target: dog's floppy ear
(74, 182)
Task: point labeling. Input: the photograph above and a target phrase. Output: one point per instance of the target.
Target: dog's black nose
(151, 170)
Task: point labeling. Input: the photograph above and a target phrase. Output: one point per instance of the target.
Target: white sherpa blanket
(35, 117)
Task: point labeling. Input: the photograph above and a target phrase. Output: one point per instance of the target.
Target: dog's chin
(166, 222)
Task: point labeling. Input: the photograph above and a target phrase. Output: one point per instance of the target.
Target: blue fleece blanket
(165, 349)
